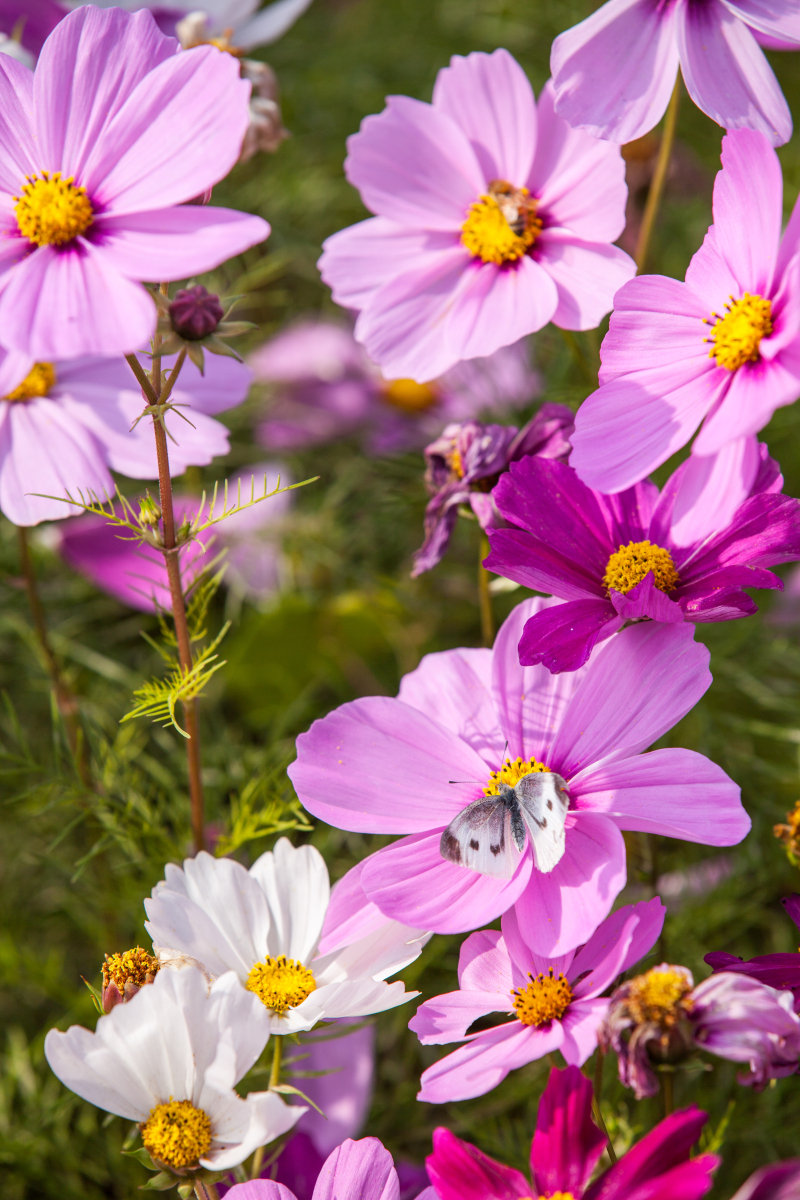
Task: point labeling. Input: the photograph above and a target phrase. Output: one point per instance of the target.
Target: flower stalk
(659, 178)
(484, 595)
(597, 1112)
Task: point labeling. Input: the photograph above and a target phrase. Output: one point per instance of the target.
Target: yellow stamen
(52, 211)
(661, 995)
(456, 464)
(177, 1133)
(737, 335)
(132, 966)
(410, 396)
(38, 382)
(546, 998)
(281, 983)
(629, 565)
(511, 773)
(789, 833)
(502, 226)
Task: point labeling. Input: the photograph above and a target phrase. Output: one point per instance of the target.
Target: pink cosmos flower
(64, 426)
(614, 72)
(565, 1151)
(780, 1181)
(384, 765)
(721, 348)
(327, 388)
(354, 1171)
(493, 218)
(101, 147)
(241, 21)
(554, 1003)
(136, 573)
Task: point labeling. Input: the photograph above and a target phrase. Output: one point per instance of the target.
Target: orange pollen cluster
(502, 226)
(511, 773)
(546, 998)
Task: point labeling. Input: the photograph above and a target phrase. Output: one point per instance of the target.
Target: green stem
(668, 1083)
(484, 595)
(205, 1191)
(277, 1058)
(659, 178)
(596, 1110)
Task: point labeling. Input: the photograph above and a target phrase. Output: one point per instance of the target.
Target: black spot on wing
(474, 844)
(550, 805)
(495, 849)
(449, 847)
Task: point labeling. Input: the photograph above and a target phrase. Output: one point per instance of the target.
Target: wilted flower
(780, 971)
(465, 463)
(789, 834)
(661, 1018)
(125, 974)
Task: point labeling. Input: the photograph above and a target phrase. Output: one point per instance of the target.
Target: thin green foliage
(158, 698)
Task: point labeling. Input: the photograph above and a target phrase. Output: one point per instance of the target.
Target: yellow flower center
(52, 211)
(455, 463)
(789, 833)
(132, 966)
(410, 396)
(38, 382)
(737, 335)
(177, 1133)
(511, 773)
(629, 565)
(546, 998)
(502, 226)
(281, 983)
(661, 996)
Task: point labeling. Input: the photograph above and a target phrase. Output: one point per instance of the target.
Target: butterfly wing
(480, 839)
(544, 804)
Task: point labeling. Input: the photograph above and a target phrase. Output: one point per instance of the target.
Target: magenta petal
(665, 1147)
(490, 99)
(377, 765)
(454, 687)
(361, 1170)
(563, 637)
(460, 1171)
(175, 242)
(480, 1065)
(567, 1144)
(675, 792)
(411, 882)
(559, 911)
(646, 600)
(780, 1181)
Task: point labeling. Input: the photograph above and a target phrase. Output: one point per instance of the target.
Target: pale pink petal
(674, 792)
(711, 489)
(16, 133)
(490, 99)
(650, 916)
(755, 390)
(726, 73)
(447, 1018)
(781, 18)
(62, 304)
(524, 962)
(657, 302)
(484, 964)
(578, 180)
(581, 1022)
(710, 279)
(361, 1170)
(586, 276)
(413, 164)
(454, 687)
(640, 683)
(411, 882)
(357, 261)
(483, 1063)
(559, 911)
(614, 72)
(748, 194)
(173, 243)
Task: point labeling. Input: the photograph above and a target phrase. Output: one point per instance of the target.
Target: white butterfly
(489, 834)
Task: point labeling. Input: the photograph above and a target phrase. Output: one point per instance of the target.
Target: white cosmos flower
(265, 924)
(169, 1059)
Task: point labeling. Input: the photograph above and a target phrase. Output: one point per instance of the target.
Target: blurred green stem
(484, 595)
(584, 366)
(205, 1191)
(668, 1084)
(277, 1059)
(656, 189)
(599, 1059)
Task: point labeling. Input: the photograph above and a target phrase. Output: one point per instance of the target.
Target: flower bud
(195, 312)
(125, 974)
(149, 512)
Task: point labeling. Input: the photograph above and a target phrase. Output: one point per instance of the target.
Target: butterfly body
(489, 835)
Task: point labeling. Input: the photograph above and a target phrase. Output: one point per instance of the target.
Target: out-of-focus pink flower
(135, 573)
(104, 145)
(721, 348)
(493, 218)
(660, 1017)
(464, 464)
(554, 1003)
(385, 765)
(354, 1171)
(327, 388)
(565, 1150)
(64, 426)
(24, 26)
(780, 1181)
(614, 72)
(238, 22)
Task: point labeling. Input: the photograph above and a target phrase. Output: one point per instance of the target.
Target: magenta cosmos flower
(565, 1151)
(65, 426)
(614, 73)
(721, 348)
(621, 558)
(554, 1003)
(101, 147)
(780, 1181)
(493, 218)
(385, 765)
(326, 388)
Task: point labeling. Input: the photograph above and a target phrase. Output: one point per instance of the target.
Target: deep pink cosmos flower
(780, 971)
(565, 1150)
(384, 765)
(780, 1181)
(493, 218)
(722, 348)
(327, 388)
(638, 554)
(554, 1003)
(614, 72)
(101, 147)
(464, 463)
(64, 426)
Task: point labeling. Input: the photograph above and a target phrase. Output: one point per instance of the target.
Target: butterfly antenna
(477, 781)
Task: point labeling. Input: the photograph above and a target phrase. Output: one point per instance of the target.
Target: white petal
(358, 998)
(233, 1008)
(376, 956)
(243, 1125)
(296, 883)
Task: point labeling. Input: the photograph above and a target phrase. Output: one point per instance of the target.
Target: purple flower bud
(195, 312)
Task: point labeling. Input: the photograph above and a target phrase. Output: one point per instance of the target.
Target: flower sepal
(197, 320)
(165, 1176)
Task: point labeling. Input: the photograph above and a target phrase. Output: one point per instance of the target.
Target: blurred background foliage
(75, 864)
